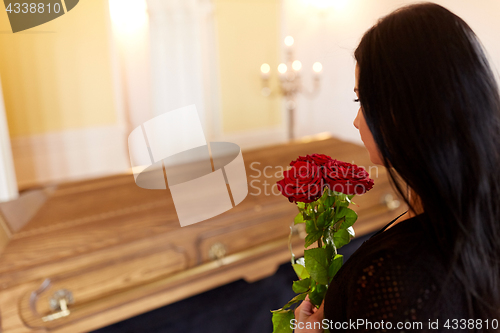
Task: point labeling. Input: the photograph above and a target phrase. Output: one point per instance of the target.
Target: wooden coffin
(99, 251)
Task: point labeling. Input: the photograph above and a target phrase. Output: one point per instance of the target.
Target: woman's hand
(308, 313)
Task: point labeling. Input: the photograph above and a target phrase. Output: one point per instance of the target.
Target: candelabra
(290, 83)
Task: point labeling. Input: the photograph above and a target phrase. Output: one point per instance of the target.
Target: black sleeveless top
(397, 278)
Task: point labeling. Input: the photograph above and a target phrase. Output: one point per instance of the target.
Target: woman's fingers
(308, 313)
(304, 310)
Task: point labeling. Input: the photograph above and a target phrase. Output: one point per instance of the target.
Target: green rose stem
(328, 223)
(290, 243)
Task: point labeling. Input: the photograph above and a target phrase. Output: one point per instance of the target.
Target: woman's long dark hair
(431, 101)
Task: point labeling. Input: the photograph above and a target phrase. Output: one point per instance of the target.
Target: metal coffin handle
(58, 302)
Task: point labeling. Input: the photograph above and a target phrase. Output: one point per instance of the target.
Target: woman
(430, 113)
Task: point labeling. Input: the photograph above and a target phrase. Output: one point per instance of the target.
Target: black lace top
(395, 282)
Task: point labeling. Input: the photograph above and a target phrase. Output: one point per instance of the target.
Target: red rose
(347, 178)
(304, 182)
(321, 159)
(318, 159)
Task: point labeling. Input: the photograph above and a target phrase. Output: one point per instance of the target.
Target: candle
(317, 68)
(288, 46)
(265, 69)
(296, 65)
(289, 42)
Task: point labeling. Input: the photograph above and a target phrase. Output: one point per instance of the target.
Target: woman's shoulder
(404, 253)
(408, 239)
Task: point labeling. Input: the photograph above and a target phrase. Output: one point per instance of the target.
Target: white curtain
(183, 59)
(8, 184)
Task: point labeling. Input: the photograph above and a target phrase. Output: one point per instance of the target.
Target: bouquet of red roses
(322, 188)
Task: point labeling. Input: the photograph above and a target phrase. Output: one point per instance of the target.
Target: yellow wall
(58, 75)
(248, 35)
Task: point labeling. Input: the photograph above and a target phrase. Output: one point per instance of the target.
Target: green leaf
(340, 238)
(335, 266)
(301, 286)
(312, 237)
(317, 294)
(317, 264)
(313, 284)
(330, 251)
(322, 220)
(301, 205)
(341, 197)
(341, 200)
(281, 322)
(310, 226)
(343, 203)
(349, 216)
(299, 219)
(326, 233)
(328, 236)
(340, 213)
(300, 269)
(329, 200)
(308, 210)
